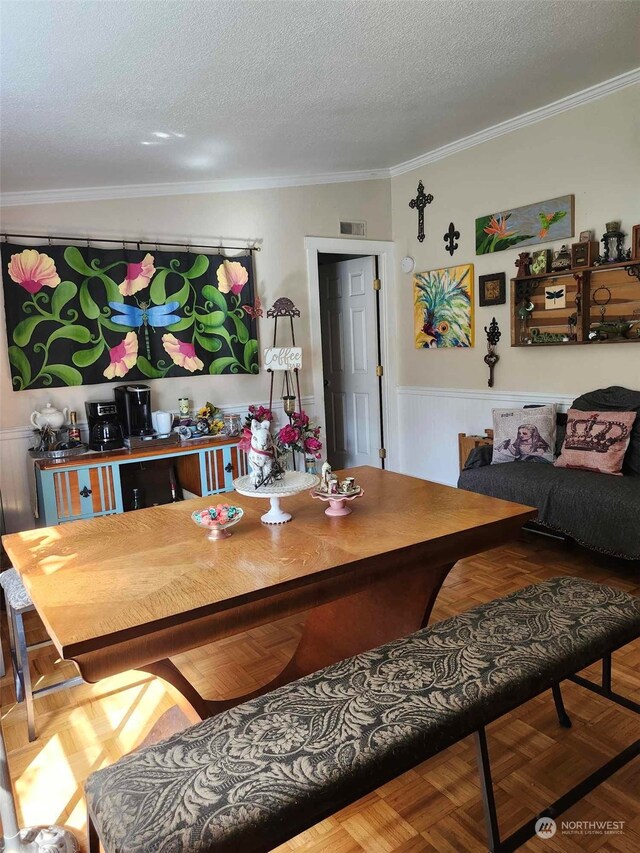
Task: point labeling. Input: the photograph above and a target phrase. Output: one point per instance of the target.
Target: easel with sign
(287, 360)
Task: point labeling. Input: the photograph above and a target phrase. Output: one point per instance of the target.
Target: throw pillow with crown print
(596, 441)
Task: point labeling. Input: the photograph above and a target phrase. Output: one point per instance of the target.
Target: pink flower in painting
(288, 435)
(313, 446)
(232, 276)
(122, 357)
(33, 270)
(182, 353)
(498, 227)
(138, 276)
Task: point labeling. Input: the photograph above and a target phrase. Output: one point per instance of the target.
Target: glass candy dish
(217, 520)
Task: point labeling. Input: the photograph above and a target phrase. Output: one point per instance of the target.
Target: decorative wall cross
(450, 237)
(419, 203)
(524, 264)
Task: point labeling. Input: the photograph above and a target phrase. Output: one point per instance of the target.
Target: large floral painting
(79, 316)
(443, 307)
(542, 222)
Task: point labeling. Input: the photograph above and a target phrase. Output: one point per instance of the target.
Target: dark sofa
(600, 511)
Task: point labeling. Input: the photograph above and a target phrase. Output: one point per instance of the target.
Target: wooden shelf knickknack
(614, 287)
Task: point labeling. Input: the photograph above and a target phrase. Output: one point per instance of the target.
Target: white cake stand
(291, 484)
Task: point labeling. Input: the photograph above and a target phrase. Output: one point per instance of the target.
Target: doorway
(349, 322)
(354, 373)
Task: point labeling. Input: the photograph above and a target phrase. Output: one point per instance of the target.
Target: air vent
(353, 229)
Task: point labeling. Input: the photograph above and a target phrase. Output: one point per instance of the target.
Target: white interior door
(349, 358)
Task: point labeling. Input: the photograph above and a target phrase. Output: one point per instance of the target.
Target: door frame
(384, 250)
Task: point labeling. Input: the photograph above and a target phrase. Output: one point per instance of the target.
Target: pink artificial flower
(313, 446)
(33, 270)
(288, 435)
(182, 353)
(232, 276)
(138, 276)
(260, 413)
(245, 442)
(300, 419)
(122, 357)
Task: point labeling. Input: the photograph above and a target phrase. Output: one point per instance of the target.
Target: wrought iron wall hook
(450, 237)
(419, 203)
(493, 334)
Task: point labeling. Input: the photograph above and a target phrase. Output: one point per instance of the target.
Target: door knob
(326, 383)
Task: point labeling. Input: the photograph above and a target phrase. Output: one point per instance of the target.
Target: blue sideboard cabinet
(89, 485)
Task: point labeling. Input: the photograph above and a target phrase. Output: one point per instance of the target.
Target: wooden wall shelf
(621, 279)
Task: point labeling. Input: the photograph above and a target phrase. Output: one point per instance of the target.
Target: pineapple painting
(443, 308)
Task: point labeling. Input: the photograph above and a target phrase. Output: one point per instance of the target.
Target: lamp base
(42, 839)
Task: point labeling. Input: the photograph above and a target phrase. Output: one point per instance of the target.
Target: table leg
(389, 608)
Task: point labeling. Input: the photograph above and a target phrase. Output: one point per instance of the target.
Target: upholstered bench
(260, 773)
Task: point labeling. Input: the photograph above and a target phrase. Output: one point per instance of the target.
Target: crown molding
(578, 99)
(29, 197)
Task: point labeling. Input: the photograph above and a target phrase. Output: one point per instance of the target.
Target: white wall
(592, 151)
(281, 218)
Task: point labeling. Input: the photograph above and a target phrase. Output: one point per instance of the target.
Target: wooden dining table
(130, 591)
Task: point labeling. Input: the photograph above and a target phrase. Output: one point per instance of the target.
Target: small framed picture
(586, 236)
(492, 289)
(540, 261)
(635, 244)
(555, 296)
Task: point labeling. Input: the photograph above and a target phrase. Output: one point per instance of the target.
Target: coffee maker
(133, 404)
(104, 429)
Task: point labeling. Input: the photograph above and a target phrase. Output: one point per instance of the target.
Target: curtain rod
(138, 243)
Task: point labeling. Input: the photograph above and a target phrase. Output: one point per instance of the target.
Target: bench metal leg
(22, 655)
(486, 785)
(92, 836)
(606, 673)
(578, 792)
(563, 717)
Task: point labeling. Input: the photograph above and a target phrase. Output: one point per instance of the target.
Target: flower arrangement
(211, 415)
(300, 436)
(255, 413)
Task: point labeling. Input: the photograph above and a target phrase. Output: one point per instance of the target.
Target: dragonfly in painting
(144, 315)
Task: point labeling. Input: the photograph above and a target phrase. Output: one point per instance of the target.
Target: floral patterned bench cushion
(261, 772)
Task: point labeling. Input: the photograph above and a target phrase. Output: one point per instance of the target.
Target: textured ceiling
(271, 88)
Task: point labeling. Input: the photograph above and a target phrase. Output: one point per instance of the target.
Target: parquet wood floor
(436, 806)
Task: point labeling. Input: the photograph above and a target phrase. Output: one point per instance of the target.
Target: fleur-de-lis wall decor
(419, 203)
(450, 237)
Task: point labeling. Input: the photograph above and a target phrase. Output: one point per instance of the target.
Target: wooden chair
(467, 443)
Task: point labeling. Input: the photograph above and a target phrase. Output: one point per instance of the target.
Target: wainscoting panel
(16, 469)
(431, 419)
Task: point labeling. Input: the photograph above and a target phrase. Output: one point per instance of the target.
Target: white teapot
(49, 416)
